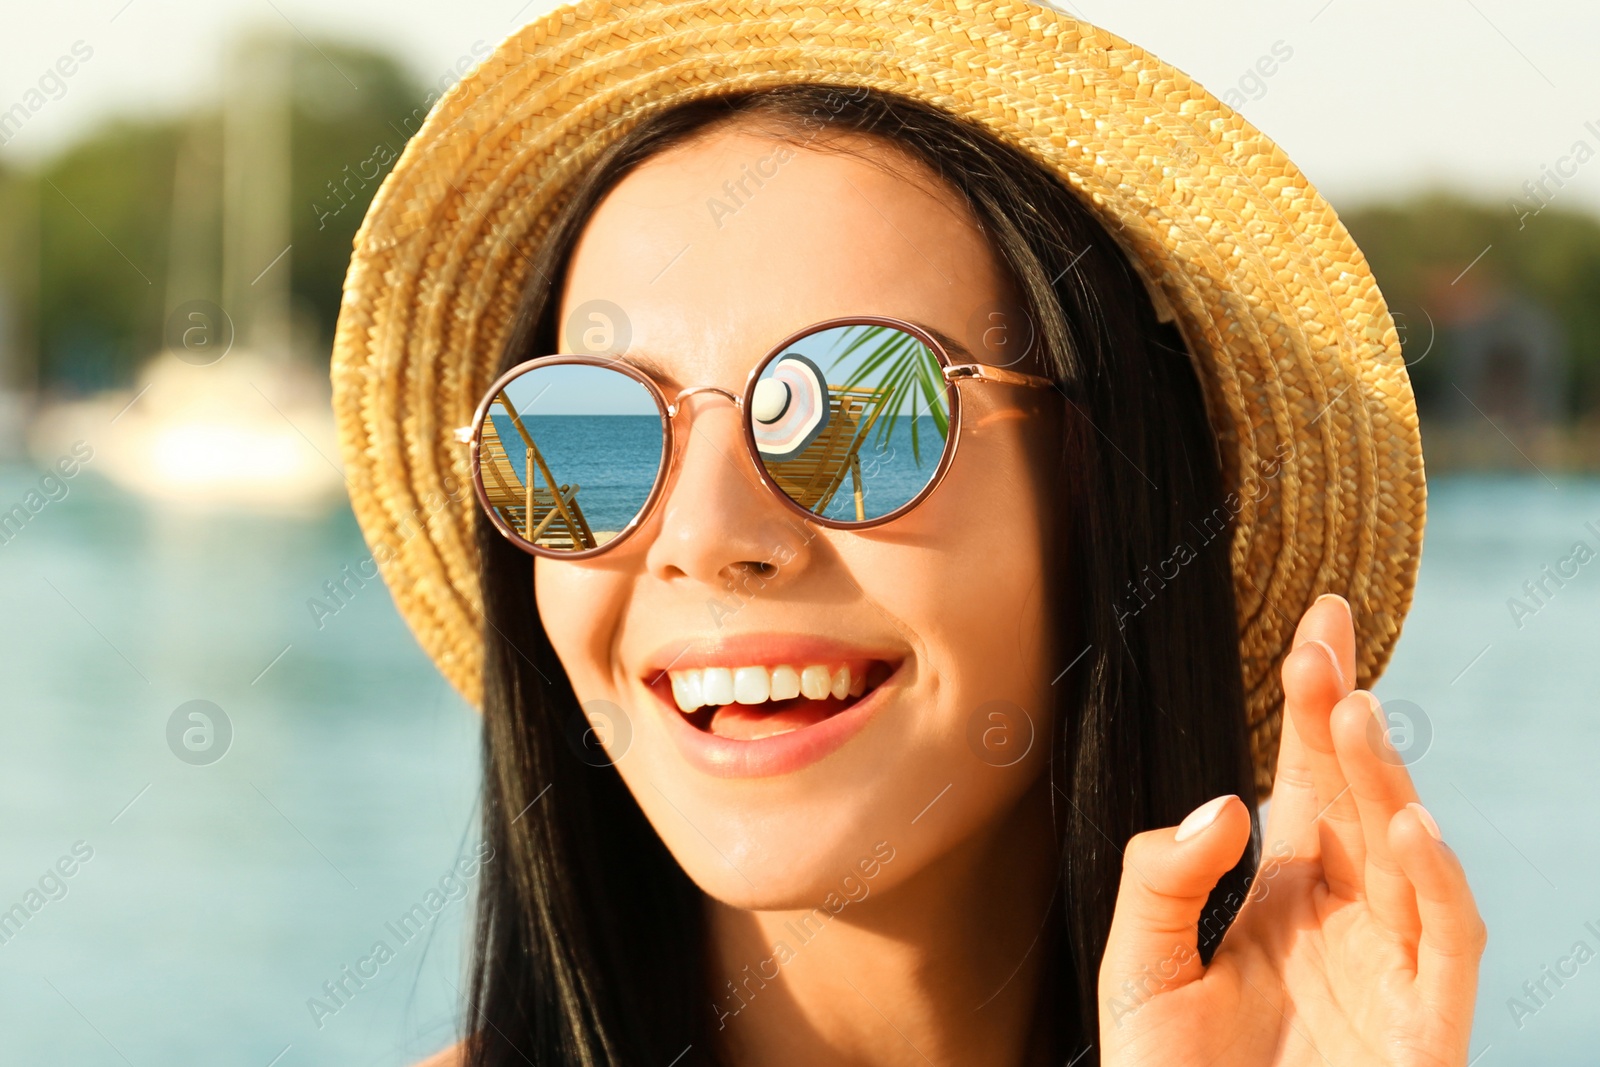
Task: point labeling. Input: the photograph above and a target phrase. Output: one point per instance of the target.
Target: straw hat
(1298, 355)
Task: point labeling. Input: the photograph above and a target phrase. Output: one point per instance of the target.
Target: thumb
(1167, 875)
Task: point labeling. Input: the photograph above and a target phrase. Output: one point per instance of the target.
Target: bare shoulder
(450, 1057)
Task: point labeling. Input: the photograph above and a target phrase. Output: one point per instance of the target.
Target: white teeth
(716, 686)
(814, 682)
(785, 683)
(696, 688)
(751, 685)
(686, 689)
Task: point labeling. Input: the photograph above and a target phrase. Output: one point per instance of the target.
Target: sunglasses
(850, 422)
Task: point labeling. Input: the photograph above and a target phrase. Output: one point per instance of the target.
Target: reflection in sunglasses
(570, 451)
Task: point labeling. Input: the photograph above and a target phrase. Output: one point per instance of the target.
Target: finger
(1330, 620)
(1167, 875)
(1453, 934)
(1381, 786)
(1294, 797)
(1311, 687)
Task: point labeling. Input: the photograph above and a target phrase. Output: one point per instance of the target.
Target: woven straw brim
(1299, 357)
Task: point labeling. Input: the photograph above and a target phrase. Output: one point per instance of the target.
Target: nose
(720, 524)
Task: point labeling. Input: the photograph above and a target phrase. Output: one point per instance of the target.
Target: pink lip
(723, 757)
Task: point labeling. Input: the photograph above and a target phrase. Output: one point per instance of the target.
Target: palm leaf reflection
(904, 372)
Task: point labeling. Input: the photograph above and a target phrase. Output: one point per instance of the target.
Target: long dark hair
(590, 938)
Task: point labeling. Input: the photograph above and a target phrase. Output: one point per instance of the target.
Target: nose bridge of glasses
(677, 401)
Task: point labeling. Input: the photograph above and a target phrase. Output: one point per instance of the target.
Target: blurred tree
(353, 113)
(129, 219)
(1420, 251)
(103, 210)
(19, 272)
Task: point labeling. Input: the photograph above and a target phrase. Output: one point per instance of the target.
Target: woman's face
(941, 613)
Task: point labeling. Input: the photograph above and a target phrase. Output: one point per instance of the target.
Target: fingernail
(1427, 820)
(1377, 708)
(1202, 817)
(1378, 715)
(1333, 657)
(1334, 596)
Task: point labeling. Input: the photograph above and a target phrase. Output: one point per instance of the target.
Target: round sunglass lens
(851, 421)
(568, 454)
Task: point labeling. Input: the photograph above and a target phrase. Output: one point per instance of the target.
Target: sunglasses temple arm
(982, 372)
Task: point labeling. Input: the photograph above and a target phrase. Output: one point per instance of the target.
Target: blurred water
(220, 898)
(1510, 770)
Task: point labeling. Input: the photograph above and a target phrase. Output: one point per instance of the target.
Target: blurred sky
(1378, 95)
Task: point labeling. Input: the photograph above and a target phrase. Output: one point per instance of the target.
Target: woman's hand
(1358, 942)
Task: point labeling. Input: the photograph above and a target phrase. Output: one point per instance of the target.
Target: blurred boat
(246, 433)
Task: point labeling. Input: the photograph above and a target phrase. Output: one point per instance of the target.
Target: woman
(800, 749)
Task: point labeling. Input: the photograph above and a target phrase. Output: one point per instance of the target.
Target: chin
(797, 860)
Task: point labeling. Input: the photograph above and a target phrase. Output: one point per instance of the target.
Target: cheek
(968, 579)
(580, 607)
(999, 638)
(980, 596)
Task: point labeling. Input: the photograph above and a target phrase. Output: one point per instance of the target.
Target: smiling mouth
(748, 703)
